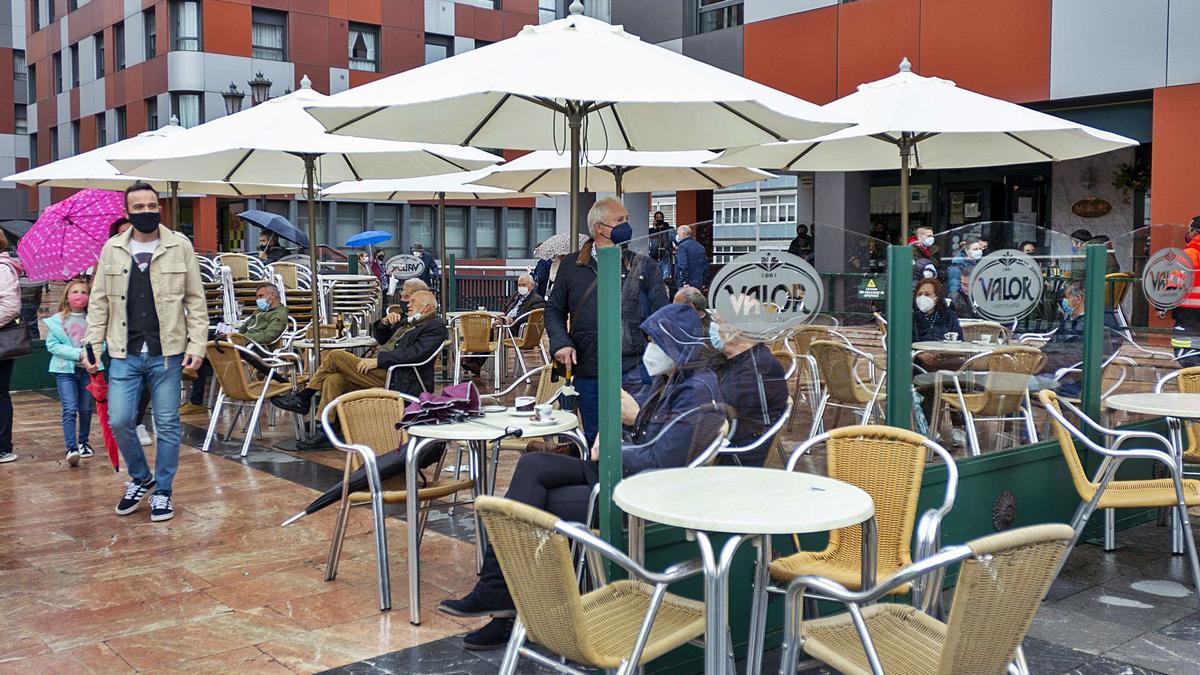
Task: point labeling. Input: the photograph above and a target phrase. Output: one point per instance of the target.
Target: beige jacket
(178, 296)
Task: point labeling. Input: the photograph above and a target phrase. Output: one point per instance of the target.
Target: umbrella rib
(886, 138)
(706, 177)
(621, 128)
(751, 122)
(486, 118)
(1029, 145)
(235, 189)
(797, 158)
(392, 196)
(448, 161)
(542, 101)
(237, 166)
(354, 120)
(350, 165)
(526, 186)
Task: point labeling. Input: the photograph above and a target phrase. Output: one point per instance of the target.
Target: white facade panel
(463, 44)
(63, 107)
(135, 40)
(87, 60)
(91, 97)
(131, 8)
(185, 70)
(439, 17)
(1107, 46)
(339, 80)
(761, 10)
(675, 45)
(1183, 49)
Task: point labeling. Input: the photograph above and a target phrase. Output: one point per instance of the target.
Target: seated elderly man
(263, 327)
(753, 384)
(409, 287)
(402, 340)
(524, 301)
(1065, 349)
(563, 485)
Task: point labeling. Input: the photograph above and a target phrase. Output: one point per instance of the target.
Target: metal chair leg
(1190, 541)
(508, 666)
(212, 423)
(381, 554)
(253, 422)
(335, 542)
(818, 417)
(233, 423)
(972, 433)
(1110, 529)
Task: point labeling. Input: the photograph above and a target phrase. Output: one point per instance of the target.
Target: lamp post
(260, 89)
(233, 99)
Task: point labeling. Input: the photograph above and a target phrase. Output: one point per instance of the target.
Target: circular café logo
(1167, 278)
(405, 266)
(766, 294)
(1006, 286)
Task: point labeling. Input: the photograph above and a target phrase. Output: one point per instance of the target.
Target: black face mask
(145, 222)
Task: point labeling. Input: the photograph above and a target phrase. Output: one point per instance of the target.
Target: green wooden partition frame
(608, 308)
(451, 290)
(899, 336)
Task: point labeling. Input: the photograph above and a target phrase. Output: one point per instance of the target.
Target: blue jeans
(588, 389)
(126, 377)
(76, 402)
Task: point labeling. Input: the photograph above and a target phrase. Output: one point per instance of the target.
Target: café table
(958, 347)
(482, 434)
(1176, 407)
(940, 381)
(747, 504)
(359, 344)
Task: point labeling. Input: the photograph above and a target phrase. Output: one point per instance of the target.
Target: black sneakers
(73, 456)
(134, 491)
(85, 450)
(291, 402)
(477, 604)
(494, 635)
(160, 507)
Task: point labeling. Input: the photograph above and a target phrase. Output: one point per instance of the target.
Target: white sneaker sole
(8, 458)
(73, 458)
(159, 519)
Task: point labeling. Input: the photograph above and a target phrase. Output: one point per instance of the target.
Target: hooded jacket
(10, 288)
(677, 330)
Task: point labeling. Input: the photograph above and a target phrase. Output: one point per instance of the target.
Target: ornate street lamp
(260, 89)
(233, 99)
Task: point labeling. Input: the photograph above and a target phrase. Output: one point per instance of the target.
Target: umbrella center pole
(906, 145)
(310, 179)
(575, 114)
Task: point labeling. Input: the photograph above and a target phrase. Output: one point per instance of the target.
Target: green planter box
(32, 372)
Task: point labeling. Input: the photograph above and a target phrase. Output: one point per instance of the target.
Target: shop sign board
(766, 294)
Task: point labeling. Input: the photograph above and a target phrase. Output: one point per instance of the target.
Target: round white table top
(743, 500)
(455, 315)
(492, 425)
(959, 347)
(1169, 404)
(343, 343)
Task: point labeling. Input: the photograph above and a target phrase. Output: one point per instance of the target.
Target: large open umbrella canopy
(276, 141)
(620, 171)
(273, 222)
(68, 236)
(945, 126)
(568, 84)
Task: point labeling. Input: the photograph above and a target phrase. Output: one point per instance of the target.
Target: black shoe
(134, 491)
(85, 450)
(291, 403)
(494, 635)
(477, 604)
(160, 508)
(318, 442)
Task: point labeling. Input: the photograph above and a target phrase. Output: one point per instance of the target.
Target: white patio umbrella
(569, 84)
(92, 170)
(457, 186)
(276, 141)
(620, 171)
(943, 125)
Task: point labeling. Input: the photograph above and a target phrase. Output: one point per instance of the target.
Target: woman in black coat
(932, 320)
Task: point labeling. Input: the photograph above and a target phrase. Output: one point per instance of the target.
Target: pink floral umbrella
(68, 236)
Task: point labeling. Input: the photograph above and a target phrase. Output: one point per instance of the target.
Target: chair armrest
(521, 380)
(840, 593)
(584, 536)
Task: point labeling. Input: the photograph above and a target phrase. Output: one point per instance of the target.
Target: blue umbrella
(368, 238)
(277, 224)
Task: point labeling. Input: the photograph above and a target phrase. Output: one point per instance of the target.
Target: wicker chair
(1103, 491)
(837, 365)
(532, 327)
(237, 387)
(475, 340)
(1188, 382)
(1001, 582)
(808, 378)
(620, 626)
(1005, 392)
(368, 430)
(974, 330)
(889, 464)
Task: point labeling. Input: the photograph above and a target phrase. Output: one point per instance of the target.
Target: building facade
(86, 73)
(1128, 67)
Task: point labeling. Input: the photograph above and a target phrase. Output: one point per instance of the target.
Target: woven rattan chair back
(973, 331)
(999, 590)
(369, 416)
(888, 464)
(238, 264)
(548, 387)
(1066, 443)
(532, 330)
(327, 331)
(1189, 383)
(835, 364)
(230, 371)
(540, 573)
(287, 272)
(803, 338)
(1116, 287)
(1007, 381)
(475, 329)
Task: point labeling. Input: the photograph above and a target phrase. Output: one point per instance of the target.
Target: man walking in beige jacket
(147, 303)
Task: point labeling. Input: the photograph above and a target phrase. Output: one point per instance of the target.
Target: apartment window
(717, 14)
(516, 226)
(20, 71)
(32, 83)
(119, 117)
(268, 35)
(420, 225)
(487, 244)
(185, 106)
(152, 113)
(438, 47)
(98, 44)
(150, 33)
(386, 217)
(36, 6)
(547, 10)
(185, 25)
(350, 219)
(545, 225)
(53, 144)
(58, 74)
(75, 64)
(119, 46)
(456, 232)
(33, 150)
(20, 119)
(75, 145)
(101, 131)
(364, 47)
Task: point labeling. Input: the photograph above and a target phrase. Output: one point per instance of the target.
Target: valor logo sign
(766, 294)
(1167, 278)
(405, 266)
(1006, 286)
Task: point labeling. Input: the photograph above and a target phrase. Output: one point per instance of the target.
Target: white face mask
(928, 274)
(522, 290)
(925, 303)
(975, 254)
(928, 241)
(656, 360)
(413, 318)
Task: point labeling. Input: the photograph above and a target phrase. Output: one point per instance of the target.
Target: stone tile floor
(223, 587)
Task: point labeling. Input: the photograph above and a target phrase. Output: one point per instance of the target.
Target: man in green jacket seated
(263, 327)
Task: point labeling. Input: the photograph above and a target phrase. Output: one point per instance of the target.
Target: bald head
(423, 303)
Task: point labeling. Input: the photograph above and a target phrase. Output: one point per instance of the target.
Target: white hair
(684, 231)
(526, 277)
(601, 210)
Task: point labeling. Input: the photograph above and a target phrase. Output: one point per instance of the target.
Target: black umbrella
(277, 224)
(16, 227)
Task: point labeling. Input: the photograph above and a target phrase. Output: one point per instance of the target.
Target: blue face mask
(1066, 306)
(263, 304)
(714, 336)
(621, 234)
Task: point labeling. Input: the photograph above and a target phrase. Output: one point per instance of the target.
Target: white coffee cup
(545, 412)
(525, 403)
(951, 337)
(986, 338)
